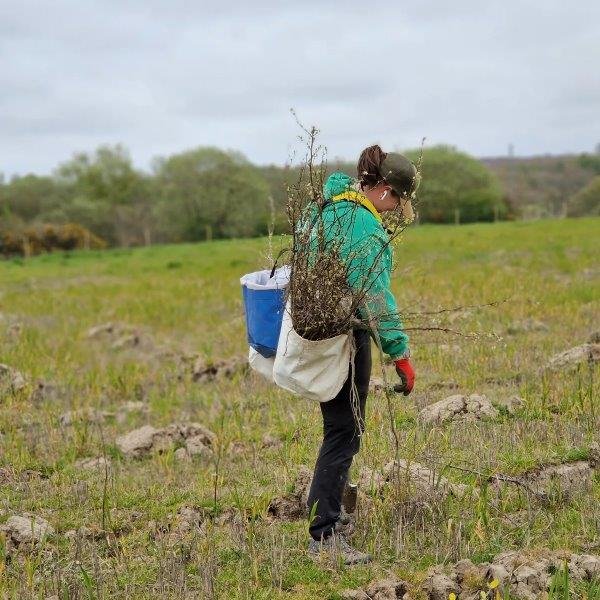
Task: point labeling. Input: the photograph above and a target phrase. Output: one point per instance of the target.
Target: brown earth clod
(458, 407)
(206, 371)
(93, 463)
(11, 380)
(293, 506)
(525, 575)
(25, 531)
(417, 481)
(145, 440)
(589, 352)
(552, 482)
(381, 589)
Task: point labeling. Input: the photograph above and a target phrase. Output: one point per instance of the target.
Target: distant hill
(541, 186)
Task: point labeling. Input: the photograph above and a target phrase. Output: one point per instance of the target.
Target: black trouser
(341, 441)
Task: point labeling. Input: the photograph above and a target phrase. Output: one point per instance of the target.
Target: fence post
(457, 216)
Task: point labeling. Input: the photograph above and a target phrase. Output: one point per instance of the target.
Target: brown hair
(369, 166)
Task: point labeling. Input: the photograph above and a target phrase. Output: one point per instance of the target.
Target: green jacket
(365, 247)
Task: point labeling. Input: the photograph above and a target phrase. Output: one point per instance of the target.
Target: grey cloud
(163, 76)
(78, 120)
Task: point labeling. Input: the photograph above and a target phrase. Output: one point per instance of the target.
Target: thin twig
(459, 308)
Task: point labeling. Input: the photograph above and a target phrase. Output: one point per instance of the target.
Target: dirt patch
(189, 520)
(563, 480)
(93, 463)
(382, 589)
(504, 380)
(11, 380)
(511, 404)
(25, 531)
(193, 437)
(204, 371)
(239, 448)
(549, 483)
(523, 575)
(594, 337)
(589, 353)
(12, 325)
(83, 415)
(44, 391)
(528, 576)
(270, 441)
(292, 506)
(526, 326)
(117, 334)
(142, 441)
(92, 415)
(123, 337)
(85, 533)
(439, 586)
(458, 408)
(182, 455)
(109, 331)
(9, 475)
(553, 482)
(444, 384)
(417, 481)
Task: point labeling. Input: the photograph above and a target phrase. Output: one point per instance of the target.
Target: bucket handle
(281, 253)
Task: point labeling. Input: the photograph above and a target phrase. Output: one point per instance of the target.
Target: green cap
(399, 172)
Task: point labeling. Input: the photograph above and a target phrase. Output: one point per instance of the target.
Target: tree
(208, 192)
(456, 184)
(108, 195)
(29, 196)
(586, 202)
(591, 162)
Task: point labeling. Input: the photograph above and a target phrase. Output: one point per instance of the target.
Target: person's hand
(406, 373)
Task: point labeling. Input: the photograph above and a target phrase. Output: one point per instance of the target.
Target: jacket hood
(337, 183)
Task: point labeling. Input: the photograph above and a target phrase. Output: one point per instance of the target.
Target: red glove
(407, 375)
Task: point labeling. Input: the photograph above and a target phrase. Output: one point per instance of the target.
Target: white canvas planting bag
(315, 370)
(260, 364)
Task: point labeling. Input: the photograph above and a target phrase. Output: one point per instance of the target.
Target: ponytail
(369, 166)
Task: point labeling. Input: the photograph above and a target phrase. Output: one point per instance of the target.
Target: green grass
(187, 299)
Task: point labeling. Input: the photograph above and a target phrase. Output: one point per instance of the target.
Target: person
(351, 217)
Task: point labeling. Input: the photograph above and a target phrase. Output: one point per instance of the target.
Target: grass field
(185, 300)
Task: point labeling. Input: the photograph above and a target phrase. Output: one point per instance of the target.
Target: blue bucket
(264, 303)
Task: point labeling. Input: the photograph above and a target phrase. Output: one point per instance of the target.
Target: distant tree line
(208, 193)
(548, 186)
(187, 197)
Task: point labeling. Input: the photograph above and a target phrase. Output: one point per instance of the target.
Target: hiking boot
(337, 547)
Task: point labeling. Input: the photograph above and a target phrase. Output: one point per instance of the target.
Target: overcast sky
(162, 76)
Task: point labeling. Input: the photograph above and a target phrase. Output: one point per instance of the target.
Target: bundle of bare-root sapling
(323, 304)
